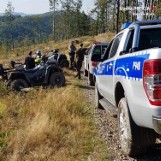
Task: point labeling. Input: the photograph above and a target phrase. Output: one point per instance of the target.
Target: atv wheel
(57, 79)
(64, 64)
(18, 84)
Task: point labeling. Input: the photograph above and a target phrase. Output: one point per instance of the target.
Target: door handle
(110, 65)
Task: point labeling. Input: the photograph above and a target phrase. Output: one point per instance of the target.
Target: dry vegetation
(48, 124)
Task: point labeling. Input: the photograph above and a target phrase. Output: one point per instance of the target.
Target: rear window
(150, 38)
(97, 50)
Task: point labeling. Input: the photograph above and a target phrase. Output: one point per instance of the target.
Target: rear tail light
(152, 81)
(94, 64)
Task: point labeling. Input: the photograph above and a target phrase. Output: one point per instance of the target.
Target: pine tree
(68, 17)
(101, 11)
(53, 4)
(9, 21)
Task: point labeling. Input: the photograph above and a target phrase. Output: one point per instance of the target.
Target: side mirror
(131, 50)
(86, 53)
(96, 57)
(123, 52)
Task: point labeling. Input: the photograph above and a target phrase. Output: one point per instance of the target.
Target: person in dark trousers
(79, 60)
(72, 50)
(30, 61)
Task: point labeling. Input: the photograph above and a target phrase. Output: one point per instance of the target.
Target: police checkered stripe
(137, 79)
(129, 78)
(132, 55)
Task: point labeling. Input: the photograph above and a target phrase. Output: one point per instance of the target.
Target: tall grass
(47, 124)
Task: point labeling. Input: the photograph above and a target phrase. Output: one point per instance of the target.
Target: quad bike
(43, 74)
(61, 59)
(57, 58)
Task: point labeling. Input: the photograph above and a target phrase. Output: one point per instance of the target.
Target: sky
(37, 6)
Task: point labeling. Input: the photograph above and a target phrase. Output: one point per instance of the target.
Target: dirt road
(108, 131)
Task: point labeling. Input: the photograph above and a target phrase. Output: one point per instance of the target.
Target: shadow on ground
(84, 87)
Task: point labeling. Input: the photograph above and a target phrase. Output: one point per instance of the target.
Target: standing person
(72, 50)
(30, 61)
(79, 60)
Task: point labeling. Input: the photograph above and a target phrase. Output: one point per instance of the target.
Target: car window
(97, 50)
(115, 46)
(106, 54)
(129, 44)
(150, 38)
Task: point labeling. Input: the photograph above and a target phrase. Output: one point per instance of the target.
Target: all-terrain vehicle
(56, 57)
(61, 59)
(43, 74)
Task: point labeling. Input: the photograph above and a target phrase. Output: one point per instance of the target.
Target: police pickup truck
(128, 81)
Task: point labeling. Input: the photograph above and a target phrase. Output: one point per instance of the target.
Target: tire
(85, 73)
(64, 64)
(18, 84)
(97, 98)
(90, 79)
(134, 140)
(57, 79)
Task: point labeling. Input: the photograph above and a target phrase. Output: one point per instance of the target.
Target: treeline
(72, 23)
(110, 14)
(17, 31)
(67, 20)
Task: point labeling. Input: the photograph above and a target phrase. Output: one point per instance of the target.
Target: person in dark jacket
(30, 61)
(79, 60)
(72, 50)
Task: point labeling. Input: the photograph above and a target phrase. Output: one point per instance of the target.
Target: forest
(67, 20)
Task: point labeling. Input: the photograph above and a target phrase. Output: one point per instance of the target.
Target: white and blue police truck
(128, 80)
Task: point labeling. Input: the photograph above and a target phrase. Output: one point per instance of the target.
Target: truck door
(108, 65)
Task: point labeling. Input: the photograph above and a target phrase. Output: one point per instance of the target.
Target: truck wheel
(90, 79)
(57, 79)
(64, 64)
(97, 98)
(134, 140)
(85, 72)
(18, 84)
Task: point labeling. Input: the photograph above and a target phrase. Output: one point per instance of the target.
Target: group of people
(76, 57)
(32, 59)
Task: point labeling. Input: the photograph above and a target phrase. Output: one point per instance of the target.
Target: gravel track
(108, 131)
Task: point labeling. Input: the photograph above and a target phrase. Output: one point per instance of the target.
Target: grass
(49, 124)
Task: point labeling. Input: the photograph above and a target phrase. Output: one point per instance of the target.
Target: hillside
(36, 29)
(20, 53)
(28, 26)
(49, 124)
